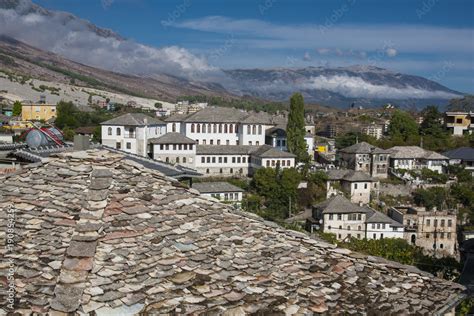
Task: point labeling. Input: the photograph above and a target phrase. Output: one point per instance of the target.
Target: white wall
(135, 140)
(216, 137)
(342, 227)
(256, 135)
(383, 230)
(224, 162)
(173, 154)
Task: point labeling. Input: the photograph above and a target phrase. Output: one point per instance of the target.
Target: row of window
(350, 217)
(227, 142)
(365, 186)
(439, 235)
(281, 143)
(128, 145)
(223, 160)
(283, 163)
(227, 196)
(231, 170)
(118, 131)
(178, 160)
(441, 222)
(176, 146)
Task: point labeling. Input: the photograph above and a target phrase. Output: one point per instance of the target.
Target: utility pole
(289, 206)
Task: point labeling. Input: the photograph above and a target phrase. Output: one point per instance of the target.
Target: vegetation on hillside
(247, 104)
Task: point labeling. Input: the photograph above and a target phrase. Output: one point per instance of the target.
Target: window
(288, 163)
(427, 235)
(225, 128)
(209, 126)
(177, 159)
(441, 246)
(283, 163)
(359, 228)
(212, 142)
(238, 159)
(220, 128)
(250, 143)
(227, 142)
(204, 142)
(365, 185)
(257, 143)
(184, 159)
(244, 159)
(381, 236)
(208, 159)
(109, 131)
(435, 223)
(213, 159)
(330, 216)
(118, 145)
(237, 142)
(348, 227)
(442, 223)
(358, 236)
(129, 145)
(248, 129)
(278, 143)
(207, 170)
(225, 159)
(231, 170)
(118, 131)
(383, 226)
(173, 128)
(359, 217)
(268, 163)
(459, 121)
(448, 235)
(340, 227)
(220, 170)
(203, 159)
(428, 222)
(329, 227)
(180, 147)
(373, 226)
(450, 223)
(340, 236)
(162, 147)
(260, 129)
(349, 235)
(218, 142)
(231, 128)
(378, 226)
(192, 128)
(167, 159)
(441, 235)
(174, 146)
(220, 159)
(273, 163)
(355, 186)
(226, 196)
(233, 159)
(375, 236)
(339, 216)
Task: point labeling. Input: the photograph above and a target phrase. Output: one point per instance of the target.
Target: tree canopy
(295, 129)
(403, 127)
(16, 108)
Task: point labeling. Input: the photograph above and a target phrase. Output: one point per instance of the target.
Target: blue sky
(432, 38)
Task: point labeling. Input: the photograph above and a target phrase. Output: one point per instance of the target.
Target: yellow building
(36, 112)
(459, 123)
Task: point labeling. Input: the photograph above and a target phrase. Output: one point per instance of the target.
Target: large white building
(224, 191)
(346, 220)
(131, 132)
(414, 157)
(174, 148)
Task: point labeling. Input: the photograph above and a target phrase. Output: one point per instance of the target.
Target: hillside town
(236, 158)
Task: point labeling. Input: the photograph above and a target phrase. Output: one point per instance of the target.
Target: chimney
(81, 142)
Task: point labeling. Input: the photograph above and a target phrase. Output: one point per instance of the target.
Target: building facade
(131, 132)
(373, 130)
(415, 158)
(39, 111)
(174, 148)
(365, 157)
(459, 123)
(223, 191)
(434, 231)
(358, 185)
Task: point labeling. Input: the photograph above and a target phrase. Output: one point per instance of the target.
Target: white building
(276, 137)
(462, 156)
(414, 157)
(373, 130)
(242, 160)
(174, 148)
(131, 132)
(223, 191)
(346, 220)
(357, 184)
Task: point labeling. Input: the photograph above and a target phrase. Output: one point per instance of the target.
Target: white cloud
(391, 52)
(81, 41)
(407, 38)
(354, 87)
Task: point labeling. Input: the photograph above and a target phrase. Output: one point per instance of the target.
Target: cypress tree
(295, 130)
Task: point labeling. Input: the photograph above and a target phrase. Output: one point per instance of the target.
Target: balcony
(130, 135)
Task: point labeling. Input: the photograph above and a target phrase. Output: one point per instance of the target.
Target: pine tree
(295, 130)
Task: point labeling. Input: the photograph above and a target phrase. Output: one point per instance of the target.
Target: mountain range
(58, 46)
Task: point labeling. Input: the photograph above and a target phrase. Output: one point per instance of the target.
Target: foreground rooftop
(98, 232)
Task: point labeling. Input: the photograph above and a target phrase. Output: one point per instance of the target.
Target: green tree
(16, 108)
(158, 105)
(295, 129)
(431, 197)
(403, 128)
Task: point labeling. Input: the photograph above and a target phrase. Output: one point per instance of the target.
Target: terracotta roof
(100, 233)
(133, 119)
(172, 138)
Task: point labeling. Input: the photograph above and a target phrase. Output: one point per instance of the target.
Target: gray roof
(102, 234)
(462, 153)
(349, 175)
(217, 114)
(133, 119)
(278, 131)
(258, 118)
(414, 152)
(363, 148)
(176, 118)
(374, 216)
(267, 151)
(216, 187)
(339, 205)
(172, 138)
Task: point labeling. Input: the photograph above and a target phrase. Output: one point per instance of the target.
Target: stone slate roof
(414, 152)
(363, 148)
(338, 204)
(278, 131)
(374, 216)
(133, 119)
(267, 151)
(172, 138)
(176, 118)
(95, 232)
(463, 153)
(217, 114)
(216, 187)
(349, 175)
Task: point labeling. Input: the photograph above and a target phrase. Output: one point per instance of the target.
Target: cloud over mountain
(81, 41)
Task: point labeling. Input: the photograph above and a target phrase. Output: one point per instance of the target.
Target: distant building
(224, 191)
(357, 184)
(365, 157)
(373, 130)
(174, 148)
(331, 131)
(459, 123)
(462, 156)
(344, 219)
(434, 231)
(414, 157)
(38, 111)
(131, 132)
